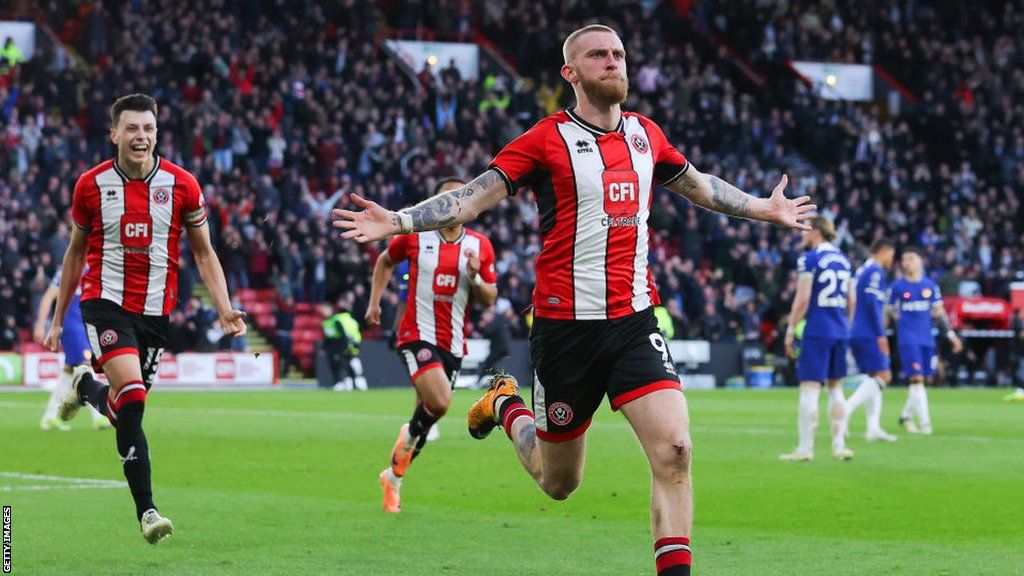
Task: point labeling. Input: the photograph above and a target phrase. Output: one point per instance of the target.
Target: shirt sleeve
(669, 162)
(804, 266)
(893, 295)
(487, 262)
(398, 248)
(82, 209)
(521, 158)
(194, 206)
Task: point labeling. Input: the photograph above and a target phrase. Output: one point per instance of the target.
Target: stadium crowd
(283, 109)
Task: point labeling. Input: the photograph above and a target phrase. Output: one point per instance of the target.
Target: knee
(439, 406)
(672, 459)
(560, 488)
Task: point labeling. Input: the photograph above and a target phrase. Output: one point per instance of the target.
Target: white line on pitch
(67, 479)
(61, 487)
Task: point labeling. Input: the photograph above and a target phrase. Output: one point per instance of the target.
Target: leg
(661, 422)
(556, 467)
(126, 402)
(874, 408)
(60, 390)
(807, 422)
(837, 419)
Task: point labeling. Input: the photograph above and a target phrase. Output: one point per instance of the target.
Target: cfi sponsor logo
(560, 413)
(161, 196)
(108, 338)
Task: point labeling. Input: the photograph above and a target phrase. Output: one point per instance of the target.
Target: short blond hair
(824, 225)
(567, 45)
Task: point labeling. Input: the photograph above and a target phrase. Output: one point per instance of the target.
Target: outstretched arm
(942, 323)
(456, 206)
(715, 194)
(70, 276)
(232, 322)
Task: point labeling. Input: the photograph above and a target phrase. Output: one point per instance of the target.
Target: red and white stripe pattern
(134, 230)
(594, 191)
(132, 391)
(440, 291)
(670, 553)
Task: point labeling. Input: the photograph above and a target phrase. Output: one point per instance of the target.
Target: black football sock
(93, 393)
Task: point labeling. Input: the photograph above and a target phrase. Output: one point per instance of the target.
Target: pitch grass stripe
(59, 487)
(248, 412)
(70, 479)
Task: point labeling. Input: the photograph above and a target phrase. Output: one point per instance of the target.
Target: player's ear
(113, 135)
(569, 73)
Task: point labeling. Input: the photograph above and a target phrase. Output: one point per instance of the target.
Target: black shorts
(420, 356)
(577, 362)
(113, 331)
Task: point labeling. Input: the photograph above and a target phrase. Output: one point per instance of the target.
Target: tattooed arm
(715, 194)
(456, 206)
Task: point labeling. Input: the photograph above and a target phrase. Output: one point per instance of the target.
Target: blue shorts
(75, 344)
(918, 360)
(868, 356)
(821, 359)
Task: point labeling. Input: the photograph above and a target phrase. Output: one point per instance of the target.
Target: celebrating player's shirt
(440, 286)
(593, 191)
(134, 231)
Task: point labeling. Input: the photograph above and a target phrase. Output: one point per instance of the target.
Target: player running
(592, 169)
(821, 297)
(129, 213)
(915, 301)
(868, 342)
(76, 352)
(449, 269)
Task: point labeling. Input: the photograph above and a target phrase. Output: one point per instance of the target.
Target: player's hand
(373, 222)
(233, 323)
(52, 340)
(373, 314)
(472, 264)
(789, 344)
(39, 335)
(958, 346)
(883, 345)
(789, 212)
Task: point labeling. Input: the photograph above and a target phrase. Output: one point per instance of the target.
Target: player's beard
(605, 92)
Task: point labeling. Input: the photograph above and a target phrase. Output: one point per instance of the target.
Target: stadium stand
(279, 132)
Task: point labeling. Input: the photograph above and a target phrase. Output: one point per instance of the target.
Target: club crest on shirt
(423, 355)
(161, 196)
(108, 338)
(926, 293)
(639, 143)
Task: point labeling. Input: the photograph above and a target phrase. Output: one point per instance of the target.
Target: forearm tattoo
(729, 199)
(444, 209)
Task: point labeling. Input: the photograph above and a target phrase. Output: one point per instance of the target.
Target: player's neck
(915, 277)
(604, 116)
(136, 170)
(451, 234)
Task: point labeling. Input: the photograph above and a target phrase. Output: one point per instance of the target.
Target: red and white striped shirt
(440, 291)
(134, 231)
(593, 190)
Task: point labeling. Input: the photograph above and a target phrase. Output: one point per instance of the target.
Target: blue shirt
(402, 276)
(829, 271)
(74, 313)
(871, 298)
(914, 302)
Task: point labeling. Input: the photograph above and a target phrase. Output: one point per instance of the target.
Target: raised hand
(790, 212)
(373, 222)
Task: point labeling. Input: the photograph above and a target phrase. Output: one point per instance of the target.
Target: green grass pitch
(285, 482)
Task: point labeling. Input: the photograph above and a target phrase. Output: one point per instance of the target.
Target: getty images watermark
(7, 539)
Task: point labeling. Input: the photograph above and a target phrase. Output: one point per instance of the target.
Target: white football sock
(873, 409)
(59, 389)
(909, 407)
(807, 417)
(395, 481)
(862, 395)
(921, 404)
(837, 416)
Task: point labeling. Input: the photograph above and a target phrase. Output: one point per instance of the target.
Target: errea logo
(583, 147)
(110, 194)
